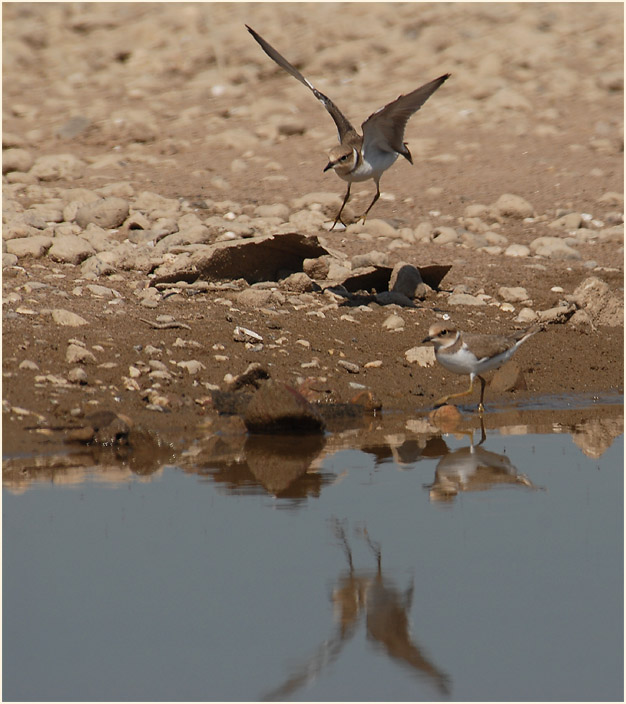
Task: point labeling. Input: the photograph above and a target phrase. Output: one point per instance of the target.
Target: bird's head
(342, 159)
(441, 335)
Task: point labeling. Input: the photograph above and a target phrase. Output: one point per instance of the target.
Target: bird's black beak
(328, 166)
(427, 339)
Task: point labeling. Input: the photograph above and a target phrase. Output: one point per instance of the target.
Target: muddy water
(389, 560)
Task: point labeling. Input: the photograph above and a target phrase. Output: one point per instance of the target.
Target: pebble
(76, 353)
(393, 322)
(423, 356)
(77, 375)
(349, 366)
(464, 299)
(517, 250)
(513, 206)
(513, 294)
(445, 235)
(66, 318)
(526, 315)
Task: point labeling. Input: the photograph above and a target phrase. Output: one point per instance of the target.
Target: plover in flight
(473, 354)
(359, 158)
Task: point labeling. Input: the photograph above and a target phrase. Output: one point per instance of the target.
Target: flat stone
(464, 299)
(513, 294)
(35, 246)
(66, 318)
(423, 356)
(70, 250)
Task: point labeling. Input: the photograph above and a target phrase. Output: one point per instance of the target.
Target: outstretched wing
(343, 125)
(386, 126)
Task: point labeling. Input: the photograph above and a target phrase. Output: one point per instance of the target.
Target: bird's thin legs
(445, 399)
(376, 197)
(481, 408)
(345, 200)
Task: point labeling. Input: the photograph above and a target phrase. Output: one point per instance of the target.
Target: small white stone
(424, 356)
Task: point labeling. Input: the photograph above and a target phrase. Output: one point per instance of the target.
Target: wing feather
(388, 123)
(342, 123)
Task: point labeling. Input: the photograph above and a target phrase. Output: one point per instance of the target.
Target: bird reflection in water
(368, 593)
(473, 468)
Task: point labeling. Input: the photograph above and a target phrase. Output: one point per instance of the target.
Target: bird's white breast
(372, 165)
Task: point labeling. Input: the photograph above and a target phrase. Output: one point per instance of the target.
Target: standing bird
(473, 354)
(359, 158)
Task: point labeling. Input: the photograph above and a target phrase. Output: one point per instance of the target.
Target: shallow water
(391, 561)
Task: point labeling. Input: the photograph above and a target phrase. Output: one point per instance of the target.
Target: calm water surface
(392, 562)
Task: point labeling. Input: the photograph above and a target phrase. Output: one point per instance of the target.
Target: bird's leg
(481, 408)
(345, 200)
(376, 197)
(445, 399)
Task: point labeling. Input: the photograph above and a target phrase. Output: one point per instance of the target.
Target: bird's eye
(343, 158)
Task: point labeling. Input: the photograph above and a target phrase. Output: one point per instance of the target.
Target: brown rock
(508, 378)
(278, 408)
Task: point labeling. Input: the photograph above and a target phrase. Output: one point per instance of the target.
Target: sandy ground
(181, 102)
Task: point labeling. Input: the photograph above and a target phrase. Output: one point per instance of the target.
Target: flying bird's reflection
(386, 609)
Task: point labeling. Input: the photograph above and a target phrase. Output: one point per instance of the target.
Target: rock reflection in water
(274, 464)
(375, 596)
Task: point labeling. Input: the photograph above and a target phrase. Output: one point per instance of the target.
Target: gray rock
(73, 127)
(70, 250)
(107, 213)
(349, 366)
(278, 408)
(407, 280)
(386, 298)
